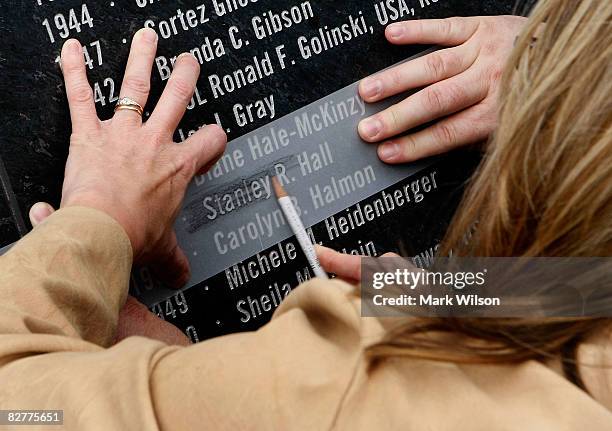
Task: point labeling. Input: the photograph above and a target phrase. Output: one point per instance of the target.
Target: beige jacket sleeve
(62, 287)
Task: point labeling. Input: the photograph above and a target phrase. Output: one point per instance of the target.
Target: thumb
(39, 212)
(172, 267)
(136, 320)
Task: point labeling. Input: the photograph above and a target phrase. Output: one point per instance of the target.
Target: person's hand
(344, 265)
(132, 171)
(461, 86)
(134, 317)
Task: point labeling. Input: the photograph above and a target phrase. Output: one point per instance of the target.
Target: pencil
(298, 228)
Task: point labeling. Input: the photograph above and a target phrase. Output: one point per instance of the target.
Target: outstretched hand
(133, 171)
(461, 86)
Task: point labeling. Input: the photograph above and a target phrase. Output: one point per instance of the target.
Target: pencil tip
(278, 188)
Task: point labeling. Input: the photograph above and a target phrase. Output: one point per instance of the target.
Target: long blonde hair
(544, 187)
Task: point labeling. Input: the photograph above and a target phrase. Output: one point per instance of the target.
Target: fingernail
(73, 46)
(148, 34)
(371, 87)
(388, 151)
(370, 128)
(395, 31)
(39, 212)
(186, 55)
(320, 248)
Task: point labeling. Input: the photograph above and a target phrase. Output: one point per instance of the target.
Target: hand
(134, 318)
(345, 266)
(462, 84)
(132, 171)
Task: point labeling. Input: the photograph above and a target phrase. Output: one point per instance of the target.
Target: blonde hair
(544, 187)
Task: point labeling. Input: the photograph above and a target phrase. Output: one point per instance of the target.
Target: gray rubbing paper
(231, 213)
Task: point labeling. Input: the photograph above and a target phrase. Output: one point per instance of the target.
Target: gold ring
(130, 105)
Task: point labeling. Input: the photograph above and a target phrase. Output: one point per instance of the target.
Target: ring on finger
(126, 103)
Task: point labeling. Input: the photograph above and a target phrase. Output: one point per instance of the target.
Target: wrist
(114, 210)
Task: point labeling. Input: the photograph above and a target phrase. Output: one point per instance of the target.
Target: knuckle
(418, 29)
(486, 26)
(452, 61)
(434, 99)
(445, 26)
(181, 89)
(457, 25)
(460, 24)
(495, 75)
(436, 66)
(81, 93)
(394, 118)
(157, 139)
(387, 121)
(455, 95)
(445, 134)
(490, 48)
(395, 76)
(137, 84)
(180, 163)
(441, 99)
(409, 147)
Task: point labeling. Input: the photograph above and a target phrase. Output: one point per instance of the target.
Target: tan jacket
(62, 288)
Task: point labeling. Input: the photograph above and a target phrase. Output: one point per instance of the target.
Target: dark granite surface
(34, 119)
